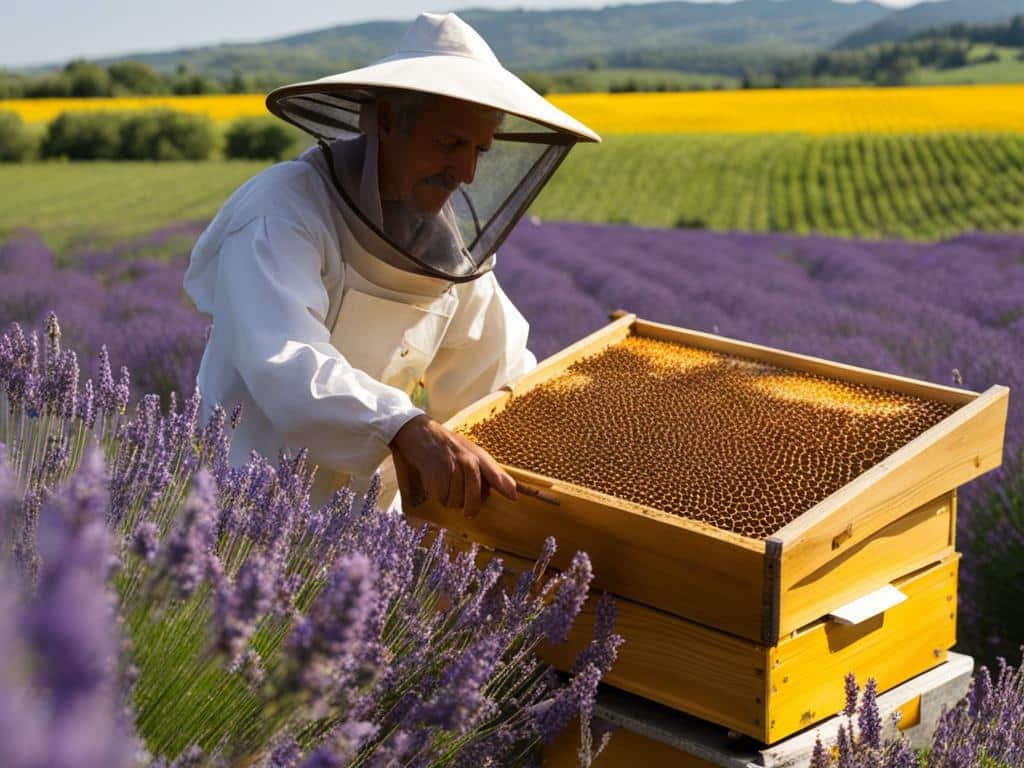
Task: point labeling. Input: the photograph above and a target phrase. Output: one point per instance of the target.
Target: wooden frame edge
(612, 333)
(904, 455)
(805, 363)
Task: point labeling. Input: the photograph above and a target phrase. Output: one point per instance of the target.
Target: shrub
(136, 77)
(165, 134)
(160, 134)
(257, 138)
(16, 144)
(83, 136)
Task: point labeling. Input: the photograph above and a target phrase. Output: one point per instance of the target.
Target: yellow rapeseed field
(220, 107)
(997, 108)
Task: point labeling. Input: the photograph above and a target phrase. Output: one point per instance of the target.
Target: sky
(58, 30)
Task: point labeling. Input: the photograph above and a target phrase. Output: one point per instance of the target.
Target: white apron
(409, 315)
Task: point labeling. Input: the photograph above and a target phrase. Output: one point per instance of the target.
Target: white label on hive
(872, 604)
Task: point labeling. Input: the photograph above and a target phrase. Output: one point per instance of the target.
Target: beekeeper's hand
(432, 462)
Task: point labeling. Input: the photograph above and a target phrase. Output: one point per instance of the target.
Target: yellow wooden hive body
(726, 621)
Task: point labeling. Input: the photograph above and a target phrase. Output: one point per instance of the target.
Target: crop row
(913, 186)
(920, 187)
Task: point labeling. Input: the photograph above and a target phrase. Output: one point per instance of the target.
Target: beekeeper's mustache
(442, 181)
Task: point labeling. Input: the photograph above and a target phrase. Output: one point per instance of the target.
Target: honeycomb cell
(744, 446)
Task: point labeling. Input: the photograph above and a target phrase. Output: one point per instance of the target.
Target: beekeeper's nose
(463, 165)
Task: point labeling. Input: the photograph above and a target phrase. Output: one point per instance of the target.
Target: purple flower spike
(869, 721)
(336, 636)
(554, 713)
(851, 690)
(188, 548)
(557, 618)
(239, 607)
(458, 702)
(145, 540)
(604, 648)
(65, 645)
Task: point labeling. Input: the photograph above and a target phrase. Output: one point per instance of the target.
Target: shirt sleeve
(484, 349)
(271, 304)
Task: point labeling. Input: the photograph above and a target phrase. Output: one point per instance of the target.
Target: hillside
(538, 40)
(900, 25)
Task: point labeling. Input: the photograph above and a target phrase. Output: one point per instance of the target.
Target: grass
(605, 79)
(82, 205)
(1009, 69)
(921, 187)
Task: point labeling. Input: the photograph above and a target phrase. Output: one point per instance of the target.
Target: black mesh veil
(478, 216)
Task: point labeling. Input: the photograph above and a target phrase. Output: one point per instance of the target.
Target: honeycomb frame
(744, 446)
(897, 516)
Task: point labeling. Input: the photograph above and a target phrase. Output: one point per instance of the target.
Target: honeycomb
(744, 446)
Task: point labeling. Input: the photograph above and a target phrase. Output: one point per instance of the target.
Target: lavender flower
(145, 541)
(328, 645)
(70, 706)
(187, 550)
(869, 723)
(254, 617)
(239, 606)
(572, 590)
(554, 713)
(851, 691)
(604, 648)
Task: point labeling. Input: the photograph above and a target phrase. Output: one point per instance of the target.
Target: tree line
(892, 63)
(145, 134)
(885, 64)
(86, 79)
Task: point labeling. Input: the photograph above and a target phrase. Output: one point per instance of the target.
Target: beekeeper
(352, 294)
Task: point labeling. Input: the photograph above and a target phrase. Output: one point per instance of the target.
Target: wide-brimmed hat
(439, 54)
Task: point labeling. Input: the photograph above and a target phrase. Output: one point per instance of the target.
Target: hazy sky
(34, 32)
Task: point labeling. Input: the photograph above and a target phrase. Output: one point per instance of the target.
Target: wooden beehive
(773, 488)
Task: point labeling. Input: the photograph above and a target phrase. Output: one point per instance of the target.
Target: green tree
(187, 83)
(49, 87)
(16, 144)
(87, 80)
(134, 77)
(12, 86)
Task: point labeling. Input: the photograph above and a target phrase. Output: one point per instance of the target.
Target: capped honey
(742, 445)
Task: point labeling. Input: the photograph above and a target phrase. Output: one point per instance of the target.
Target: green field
(924, 187)
(874, 186)
(618, 78)
(1009, 69)
(75, 205)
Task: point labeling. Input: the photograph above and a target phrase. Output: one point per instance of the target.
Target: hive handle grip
(868, 606)
(537, 493)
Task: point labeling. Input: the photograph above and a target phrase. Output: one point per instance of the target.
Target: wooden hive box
(770, 558)
(656, 737)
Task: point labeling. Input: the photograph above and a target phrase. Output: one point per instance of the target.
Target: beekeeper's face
(422, 163)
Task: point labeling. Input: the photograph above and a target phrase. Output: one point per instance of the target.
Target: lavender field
(918, 309)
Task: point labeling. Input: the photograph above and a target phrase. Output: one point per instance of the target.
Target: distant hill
(671, 33)
(900, 25)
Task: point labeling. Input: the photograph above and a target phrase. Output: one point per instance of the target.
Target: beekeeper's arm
(271, 305)
(484, 347)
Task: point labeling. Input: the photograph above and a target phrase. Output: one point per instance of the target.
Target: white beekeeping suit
(337, 318)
